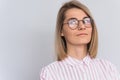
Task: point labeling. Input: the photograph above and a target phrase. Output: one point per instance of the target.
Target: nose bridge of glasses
(80, 23)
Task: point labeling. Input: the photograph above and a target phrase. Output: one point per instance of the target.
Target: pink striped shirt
(74, 69)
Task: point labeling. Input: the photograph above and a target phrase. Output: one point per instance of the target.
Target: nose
(81, 26)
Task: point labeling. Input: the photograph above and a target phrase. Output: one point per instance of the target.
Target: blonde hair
(60, 43)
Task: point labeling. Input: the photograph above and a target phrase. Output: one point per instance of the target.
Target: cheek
(90, 33)
(67, 33)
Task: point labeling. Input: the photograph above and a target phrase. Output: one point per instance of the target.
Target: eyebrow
(77, 19)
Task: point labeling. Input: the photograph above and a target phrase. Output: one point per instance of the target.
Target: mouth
(82, 34)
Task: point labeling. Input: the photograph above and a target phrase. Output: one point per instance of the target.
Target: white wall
(27, 34)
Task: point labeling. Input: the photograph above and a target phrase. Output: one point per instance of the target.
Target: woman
(76, 48)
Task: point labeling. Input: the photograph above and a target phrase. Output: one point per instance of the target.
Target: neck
(78, 52)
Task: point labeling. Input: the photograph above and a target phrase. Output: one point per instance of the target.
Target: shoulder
(103, 62)
(49, 69)
(45, 70)
(53, 65)
(106, 64)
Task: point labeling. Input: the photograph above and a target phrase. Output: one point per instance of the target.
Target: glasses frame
(78, 22)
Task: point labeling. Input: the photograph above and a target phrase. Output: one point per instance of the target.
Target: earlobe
(62, 34)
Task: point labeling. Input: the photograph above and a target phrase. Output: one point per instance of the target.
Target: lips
(81, 34)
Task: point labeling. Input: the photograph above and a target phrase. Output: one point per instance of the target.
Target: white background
(27, 34)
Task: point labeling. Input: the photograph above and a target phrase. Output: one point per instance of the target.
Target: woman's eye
(73, 21)
(87, 21)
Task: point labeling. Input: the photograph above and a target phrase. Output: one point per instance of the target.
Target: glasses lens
(73, 23)
(87, 21)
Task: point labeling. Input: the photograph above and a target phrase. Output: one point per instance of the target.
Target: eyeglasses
(73, 23)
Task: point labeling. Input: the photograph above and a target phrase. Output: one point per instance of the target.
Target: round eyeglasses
(73, 23)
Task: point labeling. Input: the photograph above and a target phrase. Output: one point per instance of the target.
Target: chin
(83, 43)
(79, 42)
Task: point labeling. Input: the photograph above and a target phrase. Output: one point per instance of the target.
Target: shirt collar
(73, 61)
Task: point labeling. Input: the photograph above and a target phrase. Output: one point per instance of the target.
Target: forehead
(75, 13)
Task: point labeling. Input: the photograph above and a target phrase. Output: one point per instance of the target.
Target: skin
(77, 39)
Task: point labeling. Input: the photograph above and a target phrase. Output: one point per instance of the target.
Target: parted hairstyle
(60, 42)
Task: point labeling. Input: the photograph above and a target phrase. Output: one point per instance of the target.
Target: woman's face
(81, 35)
